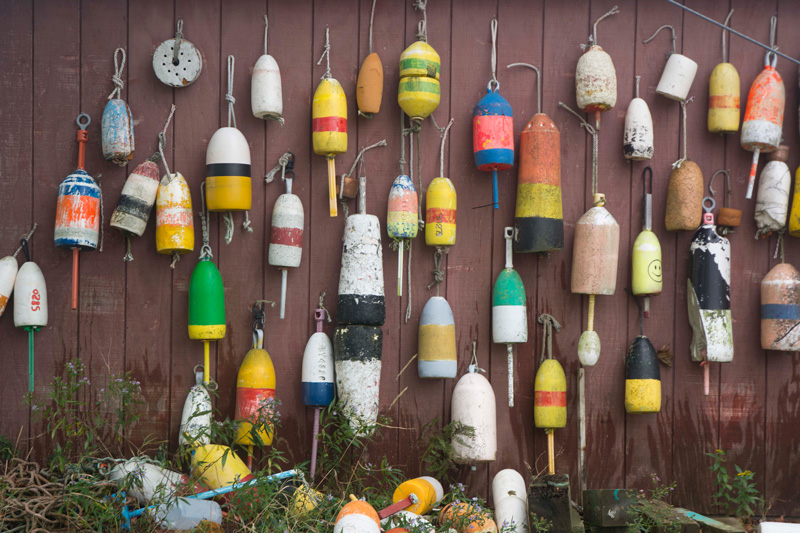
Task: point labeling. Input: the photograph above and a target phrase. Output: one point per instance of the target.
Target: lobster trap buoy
(8, 274)
(137, 200)
(116, 126)
(440, 212)
(508, 482)
(539, 216)
(195, 428)
(780, 309)
(406, 521)
(596, 77)
(723, 95)
(30, 304)
(419, 91)
(286, 236)
(174, 216)
(646, 272)
(402, 219)
(549, 391)
(467, 517)
(146, 481)
(266, 93)
(642, 378)
(418, 496)
(511, 515)
(218, 466)
(637, 138)
(684, 210)
(709, 295)
(727, 217)
(357, 354)
(594, 268)
(361, 297)
(317, 377)
(762, 128)
(78, 221)
(177, 62)
(437, 341)
(357, 516)
(473, 404)
(206, 308)
(509, 311)
(772, 199)
(369, 85)
(679, 72)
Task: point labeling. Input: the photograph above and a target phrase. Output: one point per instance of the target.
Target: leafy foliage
(735, 493)
(650, 513)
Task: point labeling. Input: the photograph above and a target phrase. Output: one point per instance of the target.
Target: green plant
(438, 456)
(735, 493)
(538, 524)
(649, 512)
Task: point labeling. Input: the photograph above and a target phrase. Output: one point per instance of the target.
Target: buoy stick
(597, 115)
(250, 458)
(590, 325)
(510, 348)
(284, 279)
(75, 252)
(314, 442)
(332, 187)
(398, 506)
(706, 378)
(495, 193)
(646, 307)
(581, 429)
(753, 167)
(400, 267)
(30, 358)
(551, 451)
(206, 363)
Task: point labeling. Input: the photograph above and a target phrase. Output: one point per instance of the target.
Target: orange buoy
(357, 516)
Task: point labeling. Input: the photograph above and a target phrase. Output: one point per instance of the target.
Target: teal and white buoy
(509, 314)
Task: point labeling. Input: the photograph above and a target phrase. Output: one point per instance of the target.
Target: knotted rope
(229, 96)
(590, 129)
(117, 77)
(282, 162)
(322, 306)
(26, 238)
(326, 54)
(422, 26)
(549, 322)
(679, 162)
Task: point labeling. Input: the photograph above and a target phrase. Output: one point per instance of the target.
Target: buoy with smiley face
(646, 272)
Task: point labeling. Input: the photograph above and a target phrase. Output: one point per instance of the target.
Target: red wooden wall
(57, 62)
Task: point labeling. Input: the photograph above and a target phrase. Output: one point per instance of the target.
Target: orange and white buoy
(357, 516)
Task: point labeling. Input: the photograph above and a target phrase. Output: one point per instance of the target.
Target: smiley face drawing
(654, 270)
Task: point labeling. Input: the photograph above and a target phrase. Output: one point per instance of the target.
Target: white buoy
(506, 483)
(146, 481)
(196, 416)
(511, 515)
(473, 404)
(637, 140)
(30, 300)
(286, 237)
(678, 74)
(266, 95)
(8, 274)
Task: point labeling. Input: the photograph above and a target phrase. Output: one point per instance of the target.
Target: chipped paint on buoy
(684, 198)
(357, 354)
(361, 296)
(174, 217)
(116, 132)
(780, 309)
(473, 404)
(137, 199)
(266, 93)
(637, 141)
(595, 253)
(642, 377)
(595, 81)
(772, 199)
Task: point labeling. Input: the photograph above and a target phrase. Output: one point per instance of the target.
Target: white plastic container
(187, 513)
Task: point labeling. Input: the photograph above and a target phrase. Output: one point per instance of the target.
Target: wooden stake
(581, 430)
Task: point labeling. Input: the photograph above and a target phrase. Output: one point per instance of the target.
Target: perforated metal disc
(188, 68)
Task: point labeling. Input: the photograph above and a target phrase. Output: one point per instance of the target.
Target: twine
(494, 55)
(656, 33)
(443, 132)
(438, 273)
(593, 37)
(589, 128)
(282, 162)
(162, 143)
(266, 29)
(549, 322)
(205, 250)
(422, 26)
(229, 96)
(322, 306)
(26, 238)
(638, 79)
(117, 77)
(227, 217)
(679, 162)
(326, 54)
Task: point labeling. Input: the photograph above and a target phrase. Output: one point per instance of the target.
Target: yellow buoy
(174, 220)
(218, 466)
(418, 97)
(420, 60)
(440, 213)
(723, 94)
(255, 388)
(329, 126)
(794, 216)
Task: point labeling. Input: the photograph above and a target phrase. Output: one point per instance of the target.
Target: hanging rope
(494, 56)
(26, 238)
(322, 306)
(229, 97)
(674, 38)
(438, 273)
(444, 132)
(408, 307)
(727, 20)
(358, 159)
(420, 219)
(422, 26)
(205, 251)
(266, 29)
(282, 162)
(593, 37)
(679, 162)
(473, 362)
(162, 143)
(780, 246)
(178, 39)
(371, 18)
(549, 322)
(361, 154)
(117, 77)
(638, 79)
(326, 54)
(589, 128)
(227, 218)
(773, 27)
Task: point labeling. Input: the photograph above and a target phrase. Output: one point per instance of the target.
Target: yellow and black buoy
(642, 374)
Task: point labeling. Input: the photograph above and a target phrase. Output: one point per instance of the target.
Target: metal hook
(647, 172)
(613, 11)
(80, 124)
(727, 201)
(23, 242)
(710, 208)
(727, 20)
(496, 86)
(656, 33)
(258, 316)
(538, 83)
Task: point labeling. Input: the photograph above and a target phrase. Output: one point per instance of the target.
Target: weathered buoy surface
(550, 396)
(357, 354)
(206, 302)
(329, 129)
(437, 487)
(684, 198)
(145, 481)
(794, 216)
(772, 199)
(637, 139)
(357, 517)
(677, 77)
(595, 251)
(317, 372)
(723, 99)
(30, 297)
(493, 135)
(369, 85)
(762, 128)
(228, 182)
(116, 132)
(266, 93)
(780, 309)
(508, 482)
(420, 60)
(418, 97)
(286, 236)
(218, 466)
(539, 216)
(473, 404)
(195, 428)
(511, 515)
(177, 68)
(467, 518)
(423, 489)
(78, 212)
(595, 81)
(8, 274)
(137, 199)
(642, 377)
(402, 218)
(361, 296)
(437, 340)
(440, 213)
(255, 392)
(709, 295)
(174, 218)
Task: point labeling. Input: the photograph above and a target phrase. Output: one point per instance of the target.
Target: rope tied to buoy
(473, 362)
(162, 143)
(229, 95)
(178, 39)
(593, 132)
(780, 246)
(679, 162)
(205, 250)
(117, 77)
(593, 37)
(283, 161)
(438, 273)
(422, 25)
(266, 29)
(494, 56)
(25, 238)
(326, 54)
(322, 306)
(638, 79)
(674, 37)
(549, 322)
(371, 18)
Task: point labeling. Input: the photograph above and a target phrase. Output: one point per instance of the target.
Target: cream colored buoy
(195, 425)
(508, 482)
(637, 140)
(596, 77)
(473, 404)
(679, 72)
(772, 200)
(266, 94)
(511, 515)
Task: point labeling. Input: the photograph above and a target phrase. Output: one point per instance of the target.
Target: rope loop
(549, 322)
(26, 238)
(422, 25)
(674, 38)
(494, 56)
(326, 54)
(162, 143)
(229, 96)
(679, 162)
(282, 165)
(119, 66)
(438, 273)
(205, 250)
(593, 132)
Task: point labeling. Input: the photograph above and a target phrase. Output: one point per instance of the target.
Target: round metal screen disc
(190, 63)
